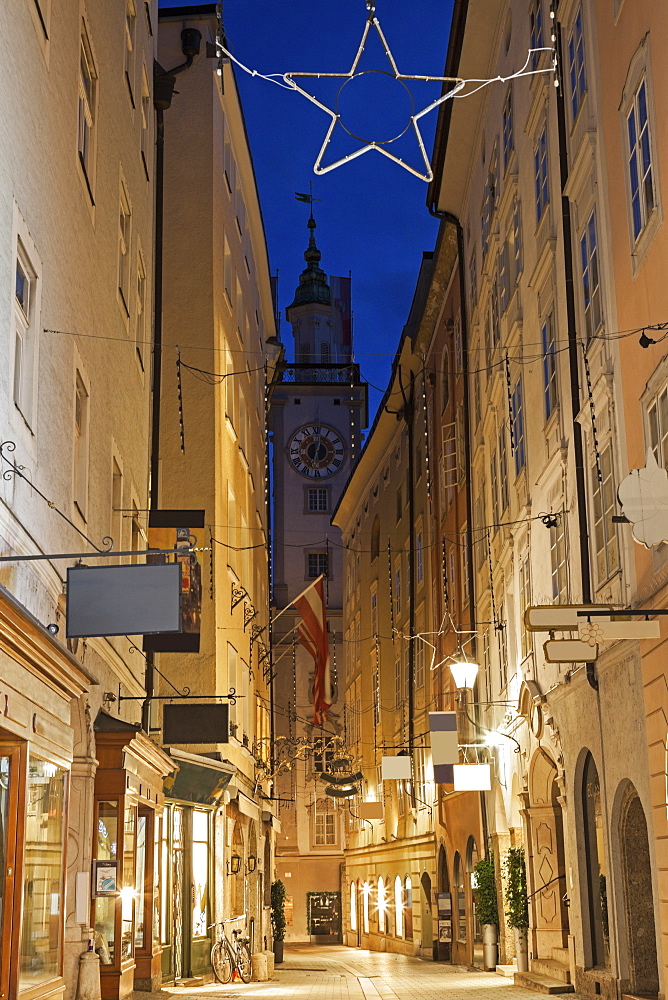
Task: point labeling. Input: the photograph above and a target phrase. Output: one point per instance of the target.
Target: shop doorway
(638, 897)
(426, 921)
(10, 773)
(324, 917)
(186, 938)
(546, 865)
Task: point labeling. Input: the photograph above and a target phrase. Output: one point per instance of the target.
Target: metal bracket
(238, 594)
(249, 614)
(231, 696)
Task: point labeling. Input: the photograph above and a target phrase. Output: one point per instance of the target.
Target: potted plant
(278, 923)
(486, 908)
(517, 904)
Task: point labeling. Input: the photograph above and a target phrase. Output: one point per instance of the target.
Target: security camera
(53, 629)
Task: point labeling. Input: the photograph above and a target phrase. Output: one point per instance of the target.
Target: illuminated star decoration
(380, 145)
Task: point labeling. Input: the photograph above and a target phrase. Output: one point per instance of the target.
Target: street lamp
(464, 673)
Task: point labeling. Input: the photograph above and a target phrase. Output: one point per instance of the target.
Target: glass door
(10, 776)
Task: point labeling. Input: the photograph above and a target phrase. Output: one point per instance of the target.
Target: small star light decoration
(289, 81)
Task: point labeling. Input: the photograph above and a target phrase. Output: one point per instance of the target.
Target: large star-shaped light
(377, 145)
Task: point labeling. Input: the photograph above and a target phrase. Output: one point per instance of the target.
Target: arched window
(353, 906)
(398, 908)
(597, 901)
(325, 353)
(445, 379)
(366, 889)
(382, 906)
(408, 911)
(304, 354)
(460, 897)
(375, 538)
(472, 856)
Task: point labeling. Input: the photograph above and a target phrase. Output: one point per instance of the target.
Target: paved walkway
(338, 973)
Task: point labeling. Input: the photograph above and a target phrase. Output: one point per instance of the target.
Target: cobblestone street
(338, 973)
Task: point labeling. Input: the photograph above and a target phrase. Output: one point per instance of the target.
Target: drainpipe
(580, 475)
(163, 91)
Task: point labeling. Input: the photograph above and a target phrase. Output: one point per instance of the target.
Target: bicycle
(230, 956)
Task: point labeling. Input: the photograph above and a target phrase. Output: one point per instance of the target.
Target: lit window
(140, 304)
(641, 176)
(398, 908)
(549, 366)
(325, 829)
(87, 109)
(130, 24)
(591, 289)
(81, 424)
(536, 34)
(525, 602)
(507, 128)
(540, 175)
(25, 332)
(576, 65)
(558, 562)
(145, 120)
(124, 235)
(606, 550)
(517, 424)
(657, 419)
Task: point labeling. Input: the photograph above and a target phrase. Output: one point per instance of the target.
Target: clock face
(316, 451)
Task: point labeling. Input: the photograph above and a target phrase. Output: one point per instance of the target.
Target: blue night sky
(372, 218)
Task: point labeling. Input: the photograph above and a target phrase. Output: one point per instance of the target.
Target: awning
(248, 807)
(199, 779)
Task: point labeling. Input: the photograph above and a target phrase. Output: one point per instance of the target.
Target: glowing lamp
(464, 673)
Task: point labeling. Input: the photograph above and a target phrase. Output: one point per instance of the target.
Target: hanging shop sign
(569, 651)
(396, 768)
(444, 745)
(472, 777)
(203, 723)
(643, 495)
(183, 532)
(558, 617)
(123, 600)
(370, 810)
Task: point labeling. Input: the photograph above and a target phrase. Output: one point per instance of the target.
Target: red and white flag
(312, 632)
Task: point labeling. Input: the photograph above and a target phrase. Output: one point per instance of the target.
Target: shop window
(398, 908)
(382, 907)
(353, 906)
(597, 895)
(128, 883)
(408, 911)
(42, 916)
(140, 895)
(200, 872)
(366, 889)
(105, 906)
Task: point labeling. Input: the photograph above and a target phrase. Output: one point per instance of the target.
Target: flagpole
(288, 606)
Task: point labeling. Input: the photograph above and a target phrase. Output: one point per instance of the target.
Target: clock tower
(318, 412)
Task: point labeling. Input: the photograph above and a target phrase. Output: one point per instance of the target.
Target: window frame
(602, 510)
(124, 247)
(318, 558)
(88, 98)
(590, 275)
(541, 175)
(550, 373)
(518, 426)
(577, 74)
(25, 326)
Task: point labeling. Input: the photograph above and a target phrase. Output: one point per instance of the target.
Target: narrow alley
(339, 973)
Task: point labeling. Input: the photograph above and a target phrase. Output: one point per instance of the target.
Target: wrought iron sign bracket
(249, 614)
(238, 594)
(231, 696)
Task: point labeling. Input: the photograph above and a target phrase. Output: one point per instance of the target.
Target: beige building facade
(213, 459)
(521, 169)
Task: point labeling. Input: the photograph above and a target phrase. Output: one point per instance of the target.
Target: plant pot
(489, 946)
(521, 948)
(278, 952)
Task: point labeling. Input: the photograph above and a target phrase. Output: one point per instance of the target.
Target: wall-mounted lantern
(234, 864)
(251, 864)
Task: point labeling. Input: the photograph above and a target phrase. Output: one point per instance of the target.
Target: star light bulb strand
(592, 413)
(287, 80)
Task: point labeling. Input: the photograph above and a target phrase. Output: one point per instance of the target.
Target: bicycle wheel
(221, 962)
(244, 964)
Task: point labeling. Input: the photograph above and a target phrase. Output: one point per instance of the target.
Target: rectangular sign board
(208, 723)
(183, 531)
(123, 600)
(569, 651)
(559, 617)
(611, 630)
(396, 768)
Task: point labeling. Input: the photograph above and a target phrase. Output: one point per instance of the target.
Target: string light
(592, 412)
(179, 393)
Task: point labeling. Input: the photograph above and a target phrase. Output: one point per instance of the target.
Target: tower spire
(313, 285)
